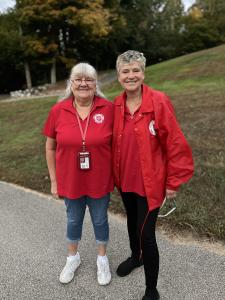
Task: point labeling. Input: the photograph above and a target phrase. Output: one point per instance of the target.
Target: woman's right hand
(54, 189)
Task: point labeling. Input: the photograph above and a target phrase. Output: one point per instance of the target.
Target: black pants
(141, 231)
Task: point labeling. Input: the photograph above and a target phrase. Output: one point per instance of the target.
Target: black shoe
(128, 266)
(151, 295)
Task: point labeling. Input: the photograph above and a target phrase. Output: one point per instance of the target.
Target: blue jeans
(75, 209)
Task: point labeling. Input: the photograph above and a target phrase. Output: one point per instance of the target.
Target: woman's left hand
(170, 194)
(54, 189)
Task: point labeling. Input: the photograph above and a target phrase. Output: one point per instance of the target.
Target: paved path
(32, 254)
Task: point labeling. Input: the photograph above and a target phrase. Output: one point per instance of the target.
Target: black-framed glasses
(172, 208)
(88, 81)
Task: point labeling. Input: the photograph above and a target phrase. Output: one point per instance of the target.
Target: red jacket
(165, 156)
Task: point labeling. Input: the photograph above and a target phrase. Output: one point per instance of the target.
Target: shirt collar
(67, 104)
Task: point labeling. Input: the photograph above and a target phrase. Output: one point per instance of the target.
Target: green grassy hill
(196, 85)
(200, 70)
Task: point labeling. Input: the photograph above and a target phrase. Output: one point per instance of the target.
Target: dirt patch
(183, 238)
(189, 239)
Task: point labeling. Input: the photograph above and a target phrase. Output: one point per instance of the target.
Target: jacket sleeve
(179, 161)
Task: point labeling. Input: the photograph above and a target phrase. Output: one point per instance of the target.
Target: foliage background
(46, 37)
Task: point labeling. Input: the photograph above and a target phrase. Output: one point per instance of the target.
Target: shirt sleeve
(179, 161)
(49, 126)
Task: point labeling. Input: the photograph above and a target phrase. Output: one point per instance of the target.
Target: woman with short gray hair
(131, 56)
(151, 159)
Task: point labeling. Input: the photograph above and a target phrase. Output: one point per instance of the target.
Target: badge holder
(84, 156)
(84, 159)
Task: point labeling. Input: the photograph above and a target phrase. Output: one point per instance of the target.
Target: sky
(4, 4)
(187, 3)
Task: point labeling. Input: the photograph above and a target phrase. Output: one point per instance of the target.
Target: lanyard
(84, 133)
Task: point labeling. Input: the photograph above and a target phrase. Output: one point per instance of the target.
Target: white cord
(169, 212)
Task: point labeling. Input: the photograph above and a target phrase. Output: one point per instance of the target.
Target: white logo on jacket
(98, 118)
(151, 127)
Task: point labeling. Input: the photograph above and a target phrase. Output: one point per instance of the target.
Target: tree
(154, 27)
(213, 12)
(204, 26)
(198, 35)
(11, 71)
(168, 29)
(102, 52)
(54, 29)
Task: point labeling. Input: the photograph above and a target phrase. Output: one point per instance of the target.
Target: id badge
(84, 160)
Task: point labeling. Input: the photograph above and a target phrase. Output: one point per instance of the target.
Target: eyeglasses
(172, 206)
(88, 81)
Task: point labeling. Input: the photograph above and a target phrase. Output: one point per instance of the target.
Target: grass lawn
(196, 85)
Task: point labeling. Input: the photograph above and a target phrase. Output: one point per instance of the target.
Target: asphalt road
(33, 252)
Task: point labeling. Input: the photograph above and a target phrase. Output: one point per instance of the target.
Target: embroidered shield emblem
(98, 118)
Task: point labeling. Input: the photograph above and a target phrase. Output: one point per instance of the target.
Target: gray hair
(130, 56)
(82, 69)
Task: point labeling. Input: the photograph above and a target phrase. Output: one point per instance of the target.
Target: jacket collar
(146, 105)
(67, 104)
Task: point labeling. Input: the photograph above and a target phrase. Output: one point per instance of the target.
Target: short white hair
(85, 70)
(130, 56)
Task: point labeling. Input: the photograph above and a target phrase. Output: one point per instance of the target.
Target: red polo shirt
(62, 126)
(130, 166)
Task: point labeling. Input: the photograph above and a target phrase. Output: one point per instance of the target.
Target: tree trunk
(27, 75)
(53, 72)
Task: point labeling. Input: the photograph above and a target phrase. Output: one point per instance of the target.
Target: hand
(54, 189)
(170, 194)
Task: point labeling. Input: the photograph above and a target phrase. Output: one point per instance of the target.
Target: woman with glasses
(78, 153)
(151, 159)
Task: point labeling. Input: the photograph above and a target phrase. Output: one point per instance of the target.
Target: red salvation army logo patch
(98, 118)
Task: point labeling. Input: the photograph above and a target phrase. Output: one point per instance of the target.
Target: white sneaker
(72, 263)
(103, 273)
